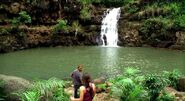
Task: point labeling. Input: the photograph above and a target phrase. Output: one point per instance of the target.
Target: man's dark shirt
(76, 75)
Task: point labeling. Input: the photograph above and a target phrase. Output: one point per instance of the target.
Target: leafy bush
(180, 21)
(50, 90)
(76, 27)
(166, 97)
(4, 31)
(85, 13)
(84, 2)
(128, 87)
(102, 86)
(62, 25)
(134, 86)
(173, 77)
(155, 30)
(30, 96)
(175, 8)
(154, 84)
(126, 90)
(129, 72)
(23, 18)
(133, 9)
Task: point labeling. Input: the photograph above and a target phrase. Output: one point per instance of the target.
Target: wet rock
(178, 47)
(100, 80)
(181, 84)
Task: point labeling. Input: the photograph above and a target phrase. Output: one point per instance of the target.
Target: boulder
(12, 84)
(100, 80)
(179, 96)
(181, 84)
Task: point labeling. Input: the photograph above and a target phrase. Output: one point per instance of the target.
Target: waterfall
(109, 31)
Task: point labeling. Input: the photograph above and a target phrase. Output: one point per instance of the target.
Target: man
(77, 79)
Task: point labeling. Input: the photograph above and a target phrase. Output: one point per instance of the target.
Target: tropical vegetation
(133, 85)
(45, 90)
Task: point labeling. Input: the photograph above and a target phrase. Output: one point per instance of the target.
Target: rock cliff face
(140, 25)
(45, 13)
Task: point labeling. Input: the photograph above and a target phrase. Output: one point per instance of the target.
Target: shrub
(128, 87)
(85, 13)
(23, 18)
(133, 9)
(46, 90)
(30, 96)
(180, 21)
(62, 25)
(126, 90)
(76, 27)
(173, 77)
(129, 72)
(84, 2)
(4, 31)
(156, 30)
(102, 86)
(166, 97)
(154, 84)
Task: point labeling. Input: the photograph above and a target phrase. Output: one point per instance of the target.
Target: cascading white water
(109, 31)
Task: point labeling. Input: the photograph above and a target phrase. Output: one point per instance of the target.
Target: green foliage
(127, 90)
(102, 86)
(50, 90)
(127, 1)
(84, 2)
(166, 97)
(173, 77)
(23, 18)
(128, 72)
(107, 2)
(76, 26)
(85, 13)
(133, 9)
(154, 84)
(4, 31)
(30, 96)
(62, 25)
(134, 86)
(155, 30)
(173, 11)
(128, 87)
(174, 7)
(134, 74)
(180, 21)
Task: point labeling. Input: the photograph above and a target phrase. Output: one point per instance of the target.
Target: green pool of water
(44, 63)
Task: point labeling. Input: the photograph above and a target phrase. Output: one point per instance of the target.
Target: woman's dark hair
(86, 78)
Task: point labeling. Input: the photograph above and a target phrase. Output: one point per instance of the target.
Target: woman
(87, 90)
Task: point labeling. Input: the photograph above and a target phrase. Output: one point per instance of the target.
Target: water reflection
(110, 61)
(98, 61)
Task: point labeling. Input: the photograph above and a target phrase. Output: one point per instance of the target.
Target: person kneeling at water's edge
(77, 79)
(87, 90)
